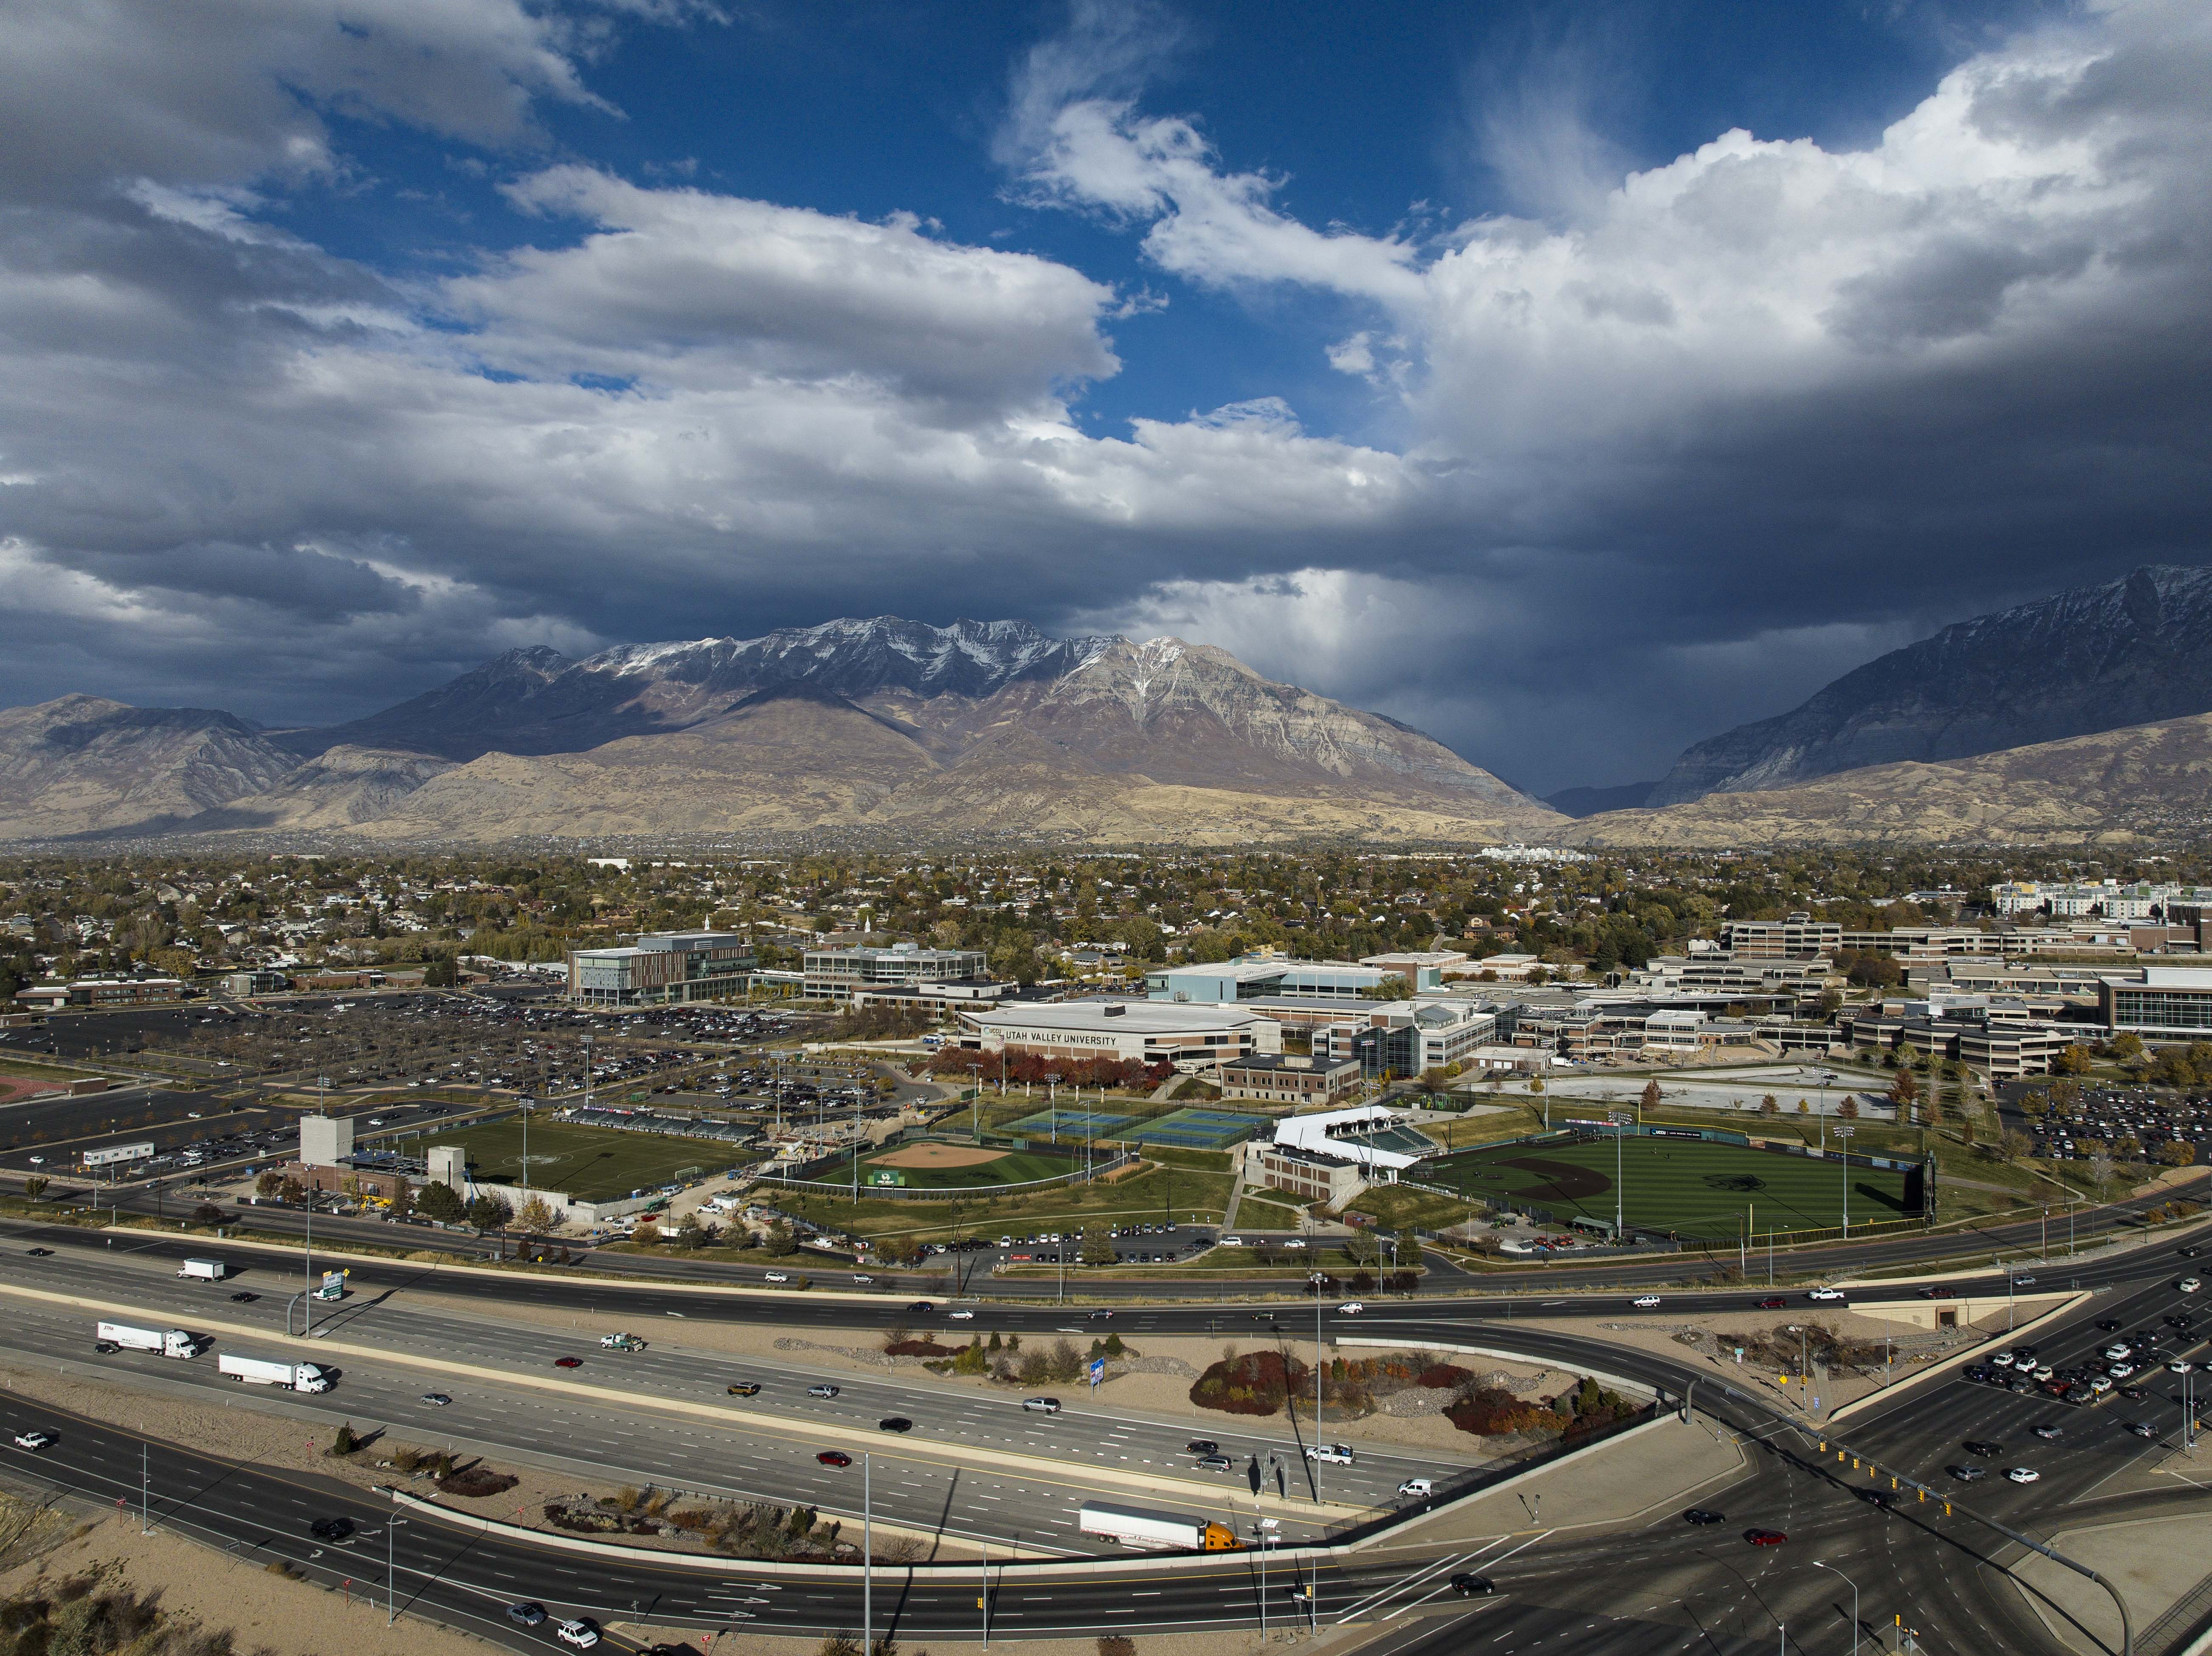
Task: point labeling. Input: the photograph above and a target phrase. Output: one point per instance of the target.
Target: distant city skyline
(1572, 382)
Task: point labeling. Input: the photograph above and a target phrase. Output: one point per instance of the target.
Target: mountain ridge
(2127, 652)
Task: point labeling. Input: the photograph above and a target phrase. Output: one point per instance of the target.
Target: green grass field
(1682, 1185)
(593, 1164)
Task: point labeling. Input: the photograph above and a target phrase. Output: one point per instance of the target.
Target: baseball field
(1688, 1186)
(931, 1166)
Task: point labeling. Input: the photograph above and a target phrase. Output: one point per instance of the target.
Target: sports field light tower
(1844, 1133)
(1620, 1119)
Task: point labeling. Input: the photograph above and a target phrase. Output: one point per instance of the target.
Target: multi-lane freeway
(1663, 1584)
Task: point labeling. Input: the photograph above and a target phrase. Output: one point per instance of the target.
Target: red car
(1772, 1303)
(1939, 1292)
(1765, 1538)
(567, 1363)
(835, 1458)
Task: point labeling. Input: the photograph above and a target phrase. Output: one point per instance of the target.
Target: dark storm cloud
(1720, 430)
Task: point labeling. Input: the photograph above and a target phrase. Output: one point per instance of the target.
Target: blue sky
(1570, 381)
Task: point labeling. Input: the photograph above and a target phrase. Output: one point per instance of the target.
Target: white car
(823, 1390)
(1041, 1405)
(1826, 1293)
(34, 1440)
(2188, 1284)
(961, 1316)
(1232, 1241)
(777, 1276)
(2024, 1475)
(1645, 1301)
(1350, 1308)
(1421, 1487)
(583, 1633)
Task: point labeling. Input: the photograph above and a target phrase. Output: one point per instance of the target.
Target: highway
(1661, 1586)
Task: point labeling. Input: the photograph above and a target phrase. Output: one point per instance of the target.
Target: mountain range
(979, 728)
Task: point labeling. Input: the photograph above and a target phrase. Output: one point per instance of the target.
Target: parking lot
(2130, 1124)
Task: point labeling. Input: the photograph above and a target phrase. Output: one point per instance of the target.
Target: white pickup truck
(1336, 1454)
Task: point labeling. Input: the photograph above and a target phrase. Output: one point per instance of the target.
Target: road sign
(1097, 1372)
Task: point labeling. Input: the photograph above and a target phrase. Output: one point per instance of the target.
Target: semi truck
(1150, 1531)
(163, 1341)
(267, 1371)
(203, 1271)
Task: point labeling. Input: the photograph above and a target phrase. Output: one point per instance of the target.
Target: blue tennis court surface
(1068, 1123)
(1200, 1130)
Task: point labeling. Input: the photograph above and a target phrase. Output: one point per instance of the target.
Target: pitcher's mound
(937, 1155)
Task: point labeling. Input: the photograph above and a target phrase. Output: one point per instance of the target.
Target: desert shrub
(475, 1482)
(1489, 1412)
(924, 1347)
(1445, 1377)
(1116, 1644)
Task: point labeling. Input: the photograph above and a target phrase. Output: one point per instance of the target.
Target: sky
(1572, 381)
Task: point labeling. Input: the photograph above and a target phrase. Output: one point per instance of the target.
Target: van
(1420, 1489)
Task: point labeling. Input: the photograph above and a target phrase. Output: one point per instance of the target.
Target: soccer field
(1688, 1186)
(593, 1164)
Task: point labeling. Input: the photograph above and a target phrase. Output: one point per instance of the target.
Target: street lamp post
(867, 1557)
(1620, 1196)
(1854, 1586)
(390, 1573)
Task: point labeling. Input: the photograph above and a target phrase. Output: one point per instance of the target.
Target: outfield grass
(1133, 1198)
(1690, 1188)
(1014, 1167)
(593, 1164)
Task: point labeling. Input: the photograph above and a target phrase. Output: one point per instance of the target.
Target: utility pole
(868, 1557)
(145, 1491)
(1619, 1195)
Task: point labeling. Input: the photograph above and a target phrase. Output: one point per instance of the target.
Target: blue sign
(1097, 1372)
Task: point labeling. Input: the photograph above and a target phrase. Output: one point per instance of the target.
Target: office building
(2175, 1002)
(1149, 1032)
(1289, 1079)
(835, 973)
(661, 967)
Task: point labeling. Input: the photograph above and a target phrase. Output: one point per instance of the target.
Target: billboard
(886, 1176)
(115, 1153)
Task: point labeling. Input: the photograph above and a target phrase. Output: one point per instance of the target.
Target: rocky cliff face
(2096, 658)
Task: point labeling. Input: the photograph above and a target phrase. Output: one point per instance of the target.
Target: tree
(1804, 1107)
(1651, 1094)
(1904, 1091)
(2178, 1153)
(780, 1240)
(2075, 1060)
(490, 1211)
(689, 1233)
(207, 1213)
(441, 1203)
(1770, 1106)
(291, 1190)
(2126, 1047)
(440, 975)
(536, 1214)
(35, 1186)
(1097, 1246)
(1849, 1109)
(268, 1183)
(2101, 1169)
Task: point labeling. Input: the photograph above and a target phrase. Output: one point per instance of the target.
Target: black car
(2108, 1324)
(922, 1305)
(330, 1529)
(244, 1298)
(895, 1424)
(1473, 1586)
(40, 1252)
(106, 1348)
(526, 1614)
(1876, 1498)
(1201, 1445)
(1704, 1515)
(1984, 1448)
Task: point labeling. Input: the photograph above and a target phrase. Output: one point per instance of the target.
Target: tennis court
(1683, 1186)
(1199, 1130)
(1067, 1124)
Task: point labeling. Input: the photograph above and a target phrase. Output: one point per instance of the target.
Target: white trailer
(203, 1271)
(163, 1342)
(1148, 1529)
(267, 1371)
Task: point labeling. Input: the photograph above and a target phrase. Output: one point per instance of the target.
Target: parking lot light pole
(1843, 1153)
(1854, 1586)
(867, 1556)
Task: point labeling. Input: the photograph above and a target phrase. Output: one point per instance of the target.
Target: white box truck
(1150, 1531)
(163, 1342)
(202, 1270)
(267, 1371)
